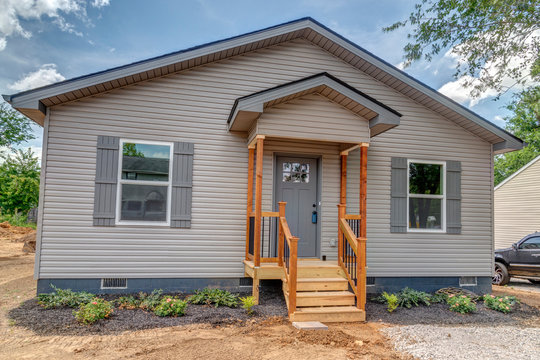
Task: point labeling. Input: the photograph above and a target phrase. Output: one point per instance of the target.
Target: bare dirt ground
(269, 339)
(528, 294)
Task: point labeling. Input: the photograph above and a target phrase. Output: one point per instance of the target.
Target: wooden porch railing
(269, 234)
(288, 257)
(352, 254)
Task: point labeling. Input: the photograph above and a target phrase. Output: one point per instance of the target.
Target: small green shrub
(461, 303)
(247, 304)
(93, 311)
(61, 298)
(438, 298)
(409, 297)
(170, 306)
(128, 302)
(150, 301)
(503, 304)
(217, 297)
(391, 300)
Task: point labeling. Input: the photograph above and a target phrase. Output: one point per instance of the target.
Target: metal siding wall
(313, 117)
(193, 106)
(517, 207)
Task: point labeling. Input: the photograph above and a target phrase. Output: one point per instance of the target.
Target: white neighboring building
(517, 205)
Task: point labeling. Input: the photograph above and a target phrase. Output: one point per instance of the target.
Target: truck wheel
(500, 274)
(536, 282)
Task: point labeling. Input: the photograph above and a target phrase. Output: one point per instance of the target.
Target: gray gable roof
(33, 103)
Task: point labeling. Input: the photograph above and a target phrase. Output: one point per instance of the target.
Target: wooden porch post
(281, 245)
(343, 182)
(363, 188)
(251, 160)
(361, 244)
(342, 208)
(258, 201)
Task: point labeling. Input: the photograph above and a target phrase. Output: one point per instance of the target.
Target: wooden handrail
(290, 269)
(358, 246)
(349, 234)
(270, 214)
(353, 217)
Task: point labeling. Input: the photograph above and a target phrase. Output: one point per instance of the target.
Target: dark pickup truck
(521, 260)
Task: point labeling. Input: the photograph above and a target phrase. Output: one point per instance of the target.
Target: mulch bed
(61, 321)
(439, 314)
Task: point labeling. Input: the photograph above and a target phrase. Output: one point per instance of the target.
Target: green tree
(498, 44)
(524, 123)
(130, 149)
(495, 39)
(19, 182)
(14, 127)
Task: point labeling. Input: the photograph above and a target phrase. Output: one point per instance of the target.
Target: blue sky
(46, 41)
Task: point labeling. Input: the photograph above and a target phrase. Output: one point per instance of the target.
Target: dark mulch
(62, 322)
(439, 314)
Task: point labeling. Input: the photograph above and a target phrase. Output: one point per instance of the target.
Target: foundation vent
(113, 283)
(468, 281)
(370, 281)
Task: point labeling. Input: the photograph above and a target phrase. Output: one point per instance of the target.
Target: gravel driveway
(466, 342)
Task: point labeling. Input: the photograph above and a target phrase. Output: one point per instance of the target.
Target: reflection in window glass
(295, 172)
(144, 202)
(425, 213)
(425, 179)
(146, 162)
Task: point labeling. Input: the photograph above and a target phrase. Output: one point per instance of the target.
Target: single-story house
(517, 205)
(290, 153)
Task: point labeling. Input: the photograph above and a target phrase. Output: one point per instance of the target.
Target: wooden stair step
(321, 284)
(329, 314)
(318, 271)
(324, 298)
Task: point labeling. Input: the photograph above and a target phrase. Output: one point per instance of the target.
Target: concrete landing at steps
(309, 325)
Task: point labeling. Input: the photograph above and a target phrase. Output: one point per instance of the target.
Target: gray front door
(296, 183)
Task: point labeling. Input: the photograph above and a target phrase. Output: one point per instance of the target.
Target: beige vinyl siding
(193, 106)
(313, 117)
(517, 207)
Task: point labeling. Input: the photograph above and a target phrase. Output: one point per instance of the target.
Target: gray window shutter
(182, 179)
(398, 208)
(453, 197)
(106, 180)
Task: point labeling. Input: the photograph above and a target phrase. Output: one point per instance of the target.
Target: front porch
(310, 126)
(314, 289)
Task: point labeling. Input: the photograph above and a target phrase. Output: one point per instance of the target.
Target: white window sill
(440, 231)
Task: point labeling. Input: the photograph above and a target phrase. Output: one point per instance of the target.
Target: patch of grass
(93, 311)
(64, 297)
(503, 304)
(171, 306)
(16, 220)
(247, 304)
(216, 297)
(461, 303)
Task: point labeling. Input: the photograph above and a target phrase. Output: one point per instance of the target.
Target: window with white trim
(426, 196)
(144, 180)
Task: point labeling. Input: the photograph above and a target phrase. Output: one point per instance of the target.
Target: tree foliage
(19, 182)
(525, 124)
(495, 40)
(14, 127)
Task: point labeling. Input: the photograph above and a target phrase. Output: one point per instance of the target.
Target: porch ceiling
(248, 108)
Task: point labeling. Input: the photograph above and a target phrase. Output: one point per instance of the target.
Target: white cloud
(100, 3)
(400, 65)
(12, 11)
(499, 121)
(457, 91)
(47, 74)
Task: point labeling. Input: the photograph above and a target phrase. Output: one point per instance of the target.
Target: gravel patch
(439, 314)
(62, 322)
(466, 342)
